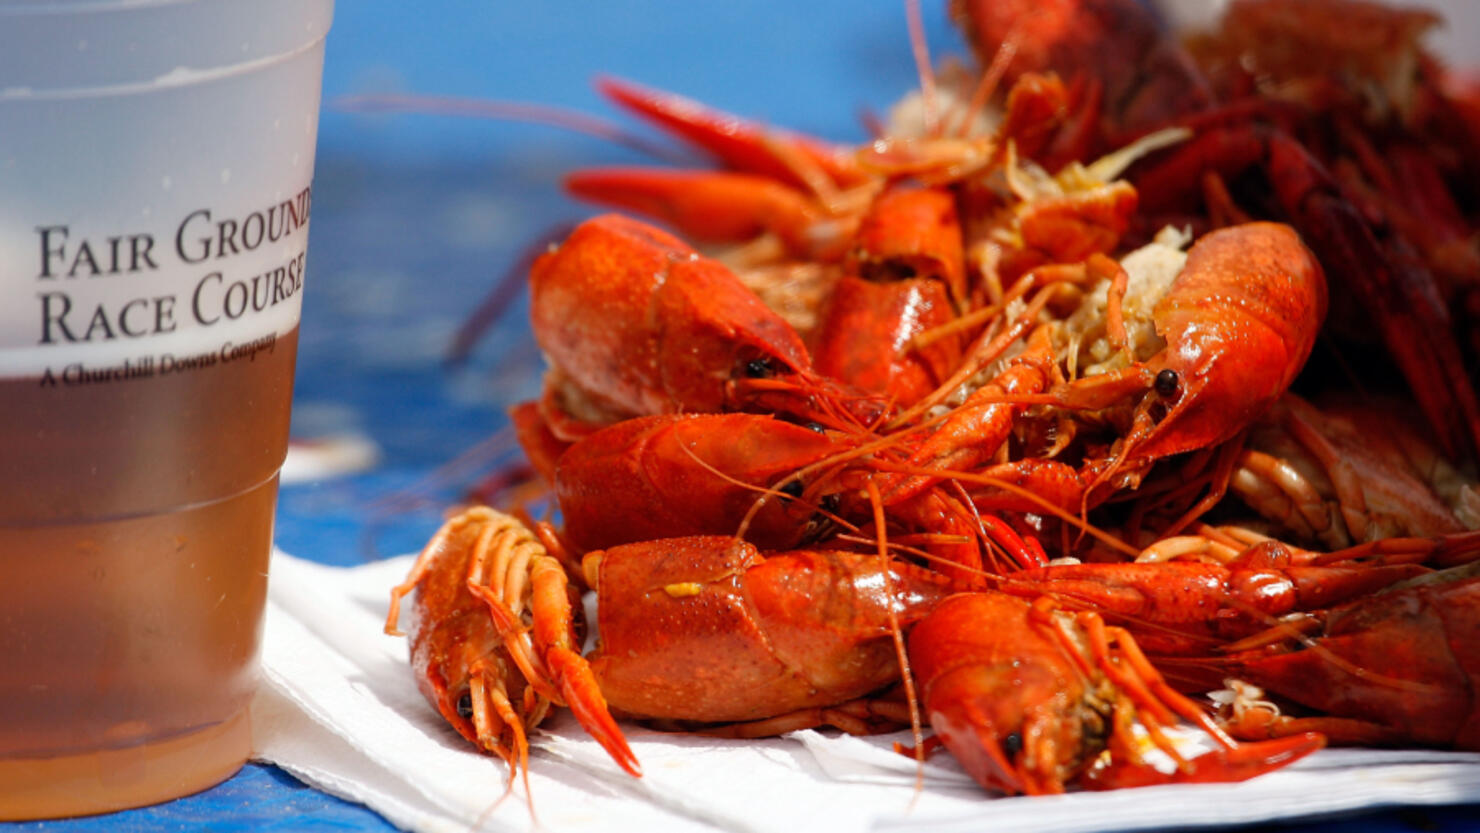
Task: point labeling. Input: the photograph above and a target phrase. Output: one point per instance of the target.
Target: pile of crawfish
(961, 428)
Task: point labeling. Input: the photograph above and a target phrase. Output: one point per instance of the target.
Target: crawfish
(1350, 472)
(636, 322)
(1239, 321)
(1028, 698)
(1396, 667)
(1184, 606)
(689, 474)
(886, 223)
(1357, 234)
(903, 276)
(495, 642)
(1231, 331)
(706, 629)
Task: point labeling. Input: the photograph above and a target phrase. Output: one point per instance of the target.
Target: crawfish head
(1028, 697)
(1239, 322)
(641, 323)
(1003, 696)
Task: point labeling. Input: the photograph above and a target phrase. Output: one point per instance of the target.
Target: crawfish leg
(1264, 723)
(1276, 489)
(493, 715)
(504, 556)
(1142, 688)
(552, 629)
(499, 551)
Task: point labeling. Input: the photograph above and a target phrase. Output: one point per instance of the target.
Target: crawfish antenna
(505, 290)
(989, 81)
(921, 51)
(515, 111)
(877, 501)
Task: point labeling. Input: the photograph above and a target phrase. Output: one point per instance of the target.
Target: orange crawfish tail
(495, 642)
(1029, 699)
(637, 323)
(706, 629)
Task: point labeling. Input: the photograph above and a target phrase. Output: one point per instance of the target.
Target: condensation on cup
(156, 160)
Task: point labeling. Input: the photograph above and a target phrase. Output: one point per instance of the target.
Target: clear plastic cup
(155, 166)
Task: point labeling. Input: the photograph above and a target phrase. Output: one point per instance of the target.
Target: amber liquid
(135, 527)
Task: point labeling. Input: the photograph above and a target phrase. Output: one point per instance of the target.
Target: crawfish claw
(1237, 763)
(581, 693)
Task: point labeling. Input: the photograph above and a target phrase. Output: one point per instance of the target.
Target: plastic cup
(155, 166)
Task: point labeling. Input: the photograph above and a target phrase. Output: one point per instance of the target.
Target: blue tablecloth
(416, 217)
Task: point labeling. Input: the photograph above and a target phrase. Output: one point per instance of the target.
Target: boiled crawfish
(1394, 668)
(1330, 77)
(495, 641)
(765, 512)
(1028, 698)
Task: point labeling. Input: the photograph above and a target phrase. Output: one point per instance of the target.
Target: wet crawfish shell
(452, 634)
(686, 474)
(704, 629)
(1239, 321)
(1418, 641)
(866, 333)
(633, 314)
(992, 681)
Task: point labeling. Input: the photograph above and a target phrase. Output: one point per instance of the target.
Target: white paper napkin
(339, 709)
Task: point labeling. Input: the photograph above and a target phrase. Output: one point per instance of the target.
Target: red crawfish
(1397, 667)
(635, 322)
(1030, 699)
(494, 641)
(706, 629)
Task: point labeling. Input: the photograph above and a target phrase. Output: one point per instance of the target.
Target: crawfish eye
(1012, 744)
(791, 488)
(1166, 383)
(465, 706)
(815, 427)
(761, 368)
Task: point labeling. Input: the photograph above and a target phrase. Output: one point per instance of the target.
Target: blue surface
(416, 217)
